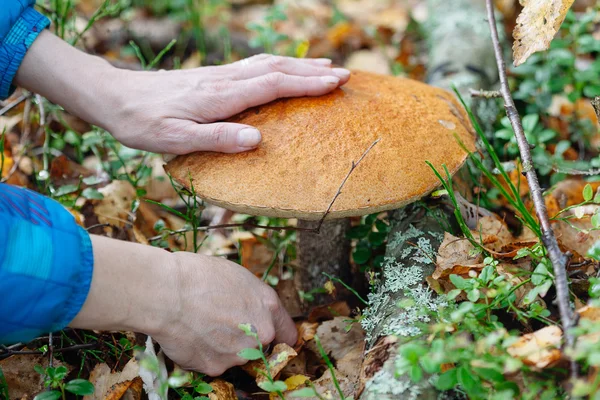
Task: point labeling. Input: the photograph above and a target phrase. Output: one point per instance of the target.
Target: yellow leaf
(296, 380)
(536, 26)
(302, 49)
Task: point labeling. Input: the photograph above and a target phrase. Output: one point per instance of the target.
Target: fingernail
(341, 73)
(322, 61)
(330, 80)
(248, 137)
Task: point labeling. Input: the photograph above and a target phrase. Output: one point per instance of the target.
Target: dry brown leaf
(335, 340)
(109, 385)
(278, 359)
(350, 364)
(22, 380)
(536, 26)
(539, 349)
(256, 256)
(455, 251)
(115, 207)
(494, 232)
(222, 390)
(306, 331)
(589, 312)
(326, 388)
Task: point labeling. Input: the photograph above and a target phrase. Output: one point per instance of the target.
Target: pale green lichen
(385, 385)
(383, 317)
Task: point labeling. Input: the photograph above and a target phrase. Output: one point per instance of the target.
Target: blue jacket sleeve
(46, 265)
(20, 25)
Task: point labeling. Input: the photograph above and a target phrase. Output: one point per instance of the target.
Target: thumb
(223, 137)
(285, 329)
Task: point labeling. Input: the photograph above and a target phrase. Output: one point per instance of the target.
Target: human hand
(190, 303)
(174, 111)
(170, 111)
(215, 296)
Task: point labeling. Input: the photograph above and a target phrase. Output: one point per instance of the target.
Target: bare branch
(12, 105)
(596, 105)
(557, 257)
(352, 168)
(486, 94)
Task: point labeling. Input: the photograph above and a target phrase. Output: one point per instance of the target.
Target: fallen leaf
(256, 256)
(22, 380)
(222, 390)
(278, 359)
(455, 251)
(540, 349)
(115, 207)
(327, 389)
(113, 386)
(336, 341)
(536, 26)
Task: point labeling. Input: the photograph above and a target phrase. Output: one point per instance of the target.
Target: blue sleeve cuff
(16, 43)
(46, 265)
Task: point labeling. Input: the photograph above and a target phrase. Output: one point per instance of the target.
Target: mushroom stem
(324, 252)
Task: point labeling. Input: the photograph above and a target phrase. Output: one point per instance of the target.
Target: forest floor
(501, 336)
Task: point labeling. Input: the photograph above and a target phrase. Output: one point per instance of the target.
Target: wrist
(85, 85)
(134, 287)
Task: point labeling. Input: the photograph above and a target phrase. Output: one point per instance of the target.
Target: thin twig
(352, 168)
(12, 105)
(557, 257)
(596, 105)
(247, 225)
(7, 352)
(573, 171)
(486, 94)
(50, 350)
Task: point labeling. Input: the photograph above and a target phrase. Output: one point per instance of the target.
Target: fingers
(325, 62)
(266, 88)
(221, 137)
(285, 329)
(291, 66)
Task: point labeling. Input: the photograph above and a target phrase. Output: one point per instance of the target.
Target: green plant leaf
(66, 189)
(460, 282)
(277, 386)
(361, 254)
(80, 387)
(466, 379)
(416, 373)
(448, 380)
(473, 295)
(92, 194)
(588, 192)
(359, 232)
(490, 374)
(250, 354)
(51, 395)
(203, 388)
(540, 274)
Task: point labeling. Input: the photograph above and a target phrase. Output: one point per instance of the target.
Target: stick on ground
(557, 257)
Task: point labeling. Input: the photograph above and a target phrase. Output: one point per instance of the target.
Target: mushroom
(309, 145)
